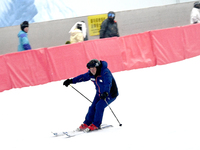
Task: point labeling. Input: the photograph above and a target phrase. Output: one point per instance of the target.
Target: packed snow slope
(159, 108)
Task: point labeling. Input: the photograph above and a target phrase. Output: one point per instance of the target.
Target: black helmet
(79, 26)
(111, 16)
(24, 25)
(196, 4)
(93, 63)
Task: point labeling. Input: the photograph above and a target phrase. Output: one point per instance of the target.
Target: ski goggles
(111, 15)
(93, 64)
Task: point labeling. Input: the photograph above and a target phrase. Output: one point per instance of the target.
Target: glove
(67, 82)
(104, 95)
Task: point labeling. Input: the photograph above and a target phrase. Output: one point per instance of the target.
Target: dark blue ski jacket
(104, 82)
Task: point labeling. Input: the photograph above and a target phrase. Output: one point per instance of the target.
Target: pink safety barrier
(27, 68)
(135, 51)
(191, 40)
(106, 49)
(168, 45)
(66, 61)
(5, 82)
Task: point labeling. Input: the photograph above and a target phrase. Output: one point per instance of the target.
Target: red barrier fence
(135, 51)
(191, 40)
(168, 45)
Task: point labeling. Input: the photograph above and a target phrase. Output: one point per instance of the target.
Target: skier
(106, 90)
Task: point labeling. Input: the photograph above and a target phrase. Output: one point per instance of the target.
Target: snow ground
(159, 108)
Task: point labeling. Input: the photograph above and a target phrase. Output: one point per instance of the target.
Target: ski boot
(82, 127)
(92, 127)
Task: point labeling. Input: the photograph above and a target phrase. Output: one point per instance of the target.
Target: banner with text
(94, 23)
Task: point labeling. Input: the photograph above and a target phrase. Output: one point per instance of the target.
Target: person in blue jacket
(106, 90)
(23, 37)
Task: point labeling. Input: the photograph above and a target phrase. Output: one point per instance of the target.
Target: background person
(195, 15)
(109, 27)
(23, 37)
(76, 34)
(82, 27)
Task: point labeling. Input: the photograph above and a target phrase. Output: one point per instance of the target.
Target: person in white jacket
(76, 34)
(77, 30)
(195, 14)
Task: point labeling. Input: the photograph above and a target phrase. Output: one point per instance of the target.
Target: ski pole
(112, 112)
(91, 102)
(80, 93)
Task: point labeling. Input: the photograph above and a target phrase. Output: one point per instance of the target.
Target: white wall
(14, 12)
(55, 33)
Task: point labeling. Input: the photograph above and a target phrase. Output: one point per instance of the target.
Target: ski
(58, 133)
(76, 132)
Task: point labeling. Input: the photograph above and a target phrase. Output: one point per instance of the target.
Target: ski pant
(96, 110)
